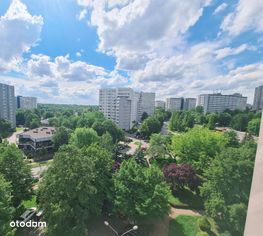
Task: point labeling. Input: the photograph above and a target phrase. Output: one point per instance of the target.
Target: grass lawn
(186, 199)
(19, 129)
(184, 226)
(30, 203)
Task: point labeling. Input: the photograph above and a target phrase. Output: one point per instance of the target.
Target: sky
(64, 51)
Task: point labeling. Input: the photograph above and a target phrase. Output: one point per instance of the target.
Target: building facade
(35, 140)
(174, 104)
(258, 98)
(26, 102)
(219, 103)
(160, 104)
(8, 104)
(125, 106)
(189, 103)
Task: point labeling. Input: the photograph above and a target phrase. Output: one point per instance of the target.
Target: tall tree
(15, 171)
(149, 126)
(83, 137)
(61, 137)
(254, 126)
(140, 192)
(6, 209)
(74, 188)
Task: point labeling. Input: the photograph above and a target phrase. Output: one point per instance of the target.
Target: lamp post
(135, 227)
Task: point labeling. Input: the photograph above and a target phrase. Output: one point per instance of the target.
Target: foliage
(228, 181)
(232, 139)
(140, 192)
(158, 146)
(15, 171)
(181, 176)
(212, 120)
(6, 209)
(149, 126)
(197, 147)
(240, 122)
(83, 137)
(204, 224)
(28, 118)
(181, 121)
(5, 128)
(61, 137)
(254, 126)
(144, 116)
(74, 188)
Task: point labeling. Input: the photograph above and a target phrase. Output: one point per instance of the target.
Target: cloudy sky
(63, 51)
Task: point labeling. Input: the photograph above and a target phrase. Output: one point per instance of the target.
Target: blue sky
(65, 51)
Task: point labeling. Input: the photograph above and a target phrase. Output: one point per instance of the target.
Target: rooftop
(42, 132)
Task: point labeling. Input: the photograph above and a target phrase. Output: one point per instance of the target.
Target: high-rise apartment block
(160, 104)
(26, 102)
(174, 104)
(258, 98)
(124, 105)
(218, 102)
(189, 103)
(8, 104)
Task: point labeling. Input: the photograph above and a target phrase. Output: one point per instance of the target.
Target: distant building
(160, 104)
(189, 103)
(174, 104)
(219, 103)
(35, 140)
(26, 102)
(8, 104)
(124, 106)
(258, 98)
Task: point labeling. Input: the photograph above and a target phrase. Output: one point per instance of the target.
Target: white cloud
(19, 31)
(220, 8)
(82, 14)
(247, 16)
(132, 30)
(78, 54)
(228, 51)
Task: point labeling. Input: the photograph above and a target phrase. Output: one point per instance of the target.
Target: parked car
(28, 214)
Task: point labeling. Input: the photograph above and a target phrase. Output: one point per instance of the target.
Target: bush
(202, 234)
(204, 224)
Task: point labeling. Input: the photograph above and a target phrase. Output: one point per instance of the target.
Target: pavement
(12, 138)
(37, 171)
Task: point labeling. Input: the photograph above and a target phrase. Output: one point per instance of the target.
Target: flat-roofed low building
(34, 140)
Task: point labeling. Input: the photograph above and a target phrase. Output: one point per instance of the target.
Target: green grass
(184, 226)
(40, 163)
(186, 199)
(19, 129)
(30, 203)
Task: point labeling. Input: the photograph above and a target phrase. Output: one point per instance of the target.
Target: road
(12, 138)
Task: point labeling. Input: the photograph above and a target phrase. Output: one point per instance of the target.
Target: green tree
(106, 142)
(198, 147)
(6, 209)
(5, 128)
(232, 138)
(181, 121)
(144, 116)
(158, 146)
(240, 122)
(15, 171)
(149, 126)
(82, 137)
(228, 181)
(74, 188)
(224, 119)
(140, 192)
(254, 126)
(61, 137)
(212, 119)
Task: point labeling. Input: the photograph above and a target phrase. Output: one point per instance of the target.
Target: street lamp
(135, 227)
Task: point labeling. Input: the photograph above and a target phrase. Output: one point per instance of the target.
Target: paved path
(12, 138)
(177, 212)
(37, 171)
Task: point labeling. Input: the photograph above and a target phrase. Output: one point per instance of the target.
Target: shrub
(204, 224)
(202, 234)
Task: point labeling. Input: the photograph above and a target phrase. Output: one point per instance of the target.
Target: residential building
(189, 103)
(160, 104)
(8, 104)
(258, 98)
(174, 104)
(124, 106)
(26, 102)
(218, 102)
(34, 140)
